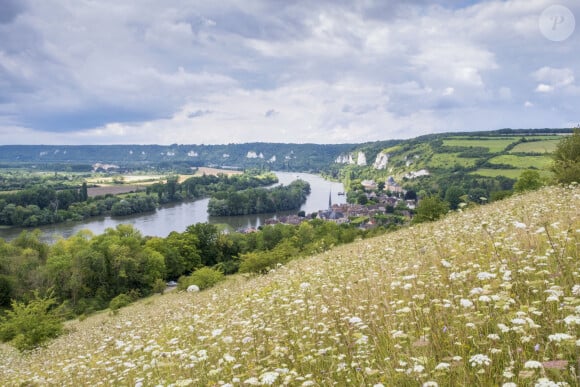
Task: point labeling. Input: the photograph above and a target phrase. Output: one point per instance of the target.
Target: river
(177, 217)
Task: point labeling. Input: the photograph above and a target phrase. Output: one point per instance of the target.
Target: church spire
(330, 200)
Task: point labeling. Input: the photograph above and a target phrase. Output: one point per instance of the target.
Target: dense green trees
(566, 165)
(259, 200)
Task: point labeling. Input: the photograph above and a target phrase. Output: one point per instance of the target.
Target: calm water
(178, 216)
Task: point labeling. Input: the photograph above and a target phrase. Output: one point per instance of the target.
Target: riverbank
(178, 216)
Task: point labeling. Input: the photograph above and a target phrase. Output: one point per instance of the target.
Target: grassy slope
(468, 300)
(417, 155)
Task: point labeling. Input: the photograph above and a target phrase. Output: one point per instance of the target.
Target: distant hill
(453, 158)
(302, 157)
(502, 152)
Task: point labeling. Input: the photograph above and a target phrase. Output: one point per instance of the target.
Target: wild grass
(488, 296)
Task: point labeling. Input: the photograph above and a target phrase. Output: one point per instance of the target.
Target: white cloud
(553, 78)
(117, 72)
(543, 88)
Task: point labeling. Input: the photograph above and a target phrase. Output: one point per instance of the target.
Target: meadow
(487, 296)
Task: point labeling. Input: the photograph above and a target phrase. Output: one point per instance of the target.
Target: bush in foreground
(204, 278)
(30, 325)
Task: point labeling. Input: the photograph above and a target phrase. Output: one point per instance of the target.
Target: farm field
(510, 173)
(523, 162)
(483, 297)
(545, 146)
(494, 144)
(215, 171)
(449, 160)
(113, 190)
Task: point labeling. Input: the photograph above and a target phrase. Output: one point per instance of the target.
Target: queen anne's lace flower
(479, 360)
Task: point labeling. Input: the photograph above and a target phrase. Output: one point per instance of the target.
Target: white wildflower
(475, 291)
(520, 225)
(466, 303)
(430, 383)
(268, 378)
(247, 340)
(183, 382)
(216, 332)
(572, 320)
(533, 364)
(355, 320)
(304, 285)
(576, 290)
(253, 381)
(442, 366)
(229, 358)
(545, 382)
(484, 275)
(503, 328)
(446, 264)
(558, 337)
(479, 360)
(485, 299)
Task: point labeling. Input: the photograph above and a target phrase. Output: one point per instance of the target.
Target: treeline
(259, 200)
(41, 205)
(86, 272)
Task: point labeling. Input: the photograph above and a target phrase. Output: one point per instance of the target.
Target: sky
(233, 71)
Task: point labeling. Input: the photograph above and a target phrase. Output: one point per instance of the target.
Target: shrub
(30, 325)
(204, 278)
(120, 301)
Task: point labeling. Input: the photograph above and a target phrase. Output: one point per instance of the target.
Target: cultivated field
(482, 298)
(216, 171)
(546, 146)
(494, 144)
(113, 189)
(449, 160)
(523, 162)
(510, 173)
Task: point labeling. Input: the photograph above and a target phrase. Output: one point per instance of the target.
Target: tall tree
(566, 166)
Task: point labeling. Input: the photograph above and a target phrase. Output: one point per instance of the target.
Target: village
(386, 203)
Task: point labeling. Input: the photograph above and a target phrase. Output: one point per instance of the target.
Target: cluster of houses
(392, 196)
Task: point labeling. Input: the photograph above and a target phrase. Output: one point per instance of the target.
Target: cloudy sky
(224, 71)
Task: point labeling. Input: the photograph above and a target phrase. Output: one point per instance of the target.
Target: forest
(259, 200)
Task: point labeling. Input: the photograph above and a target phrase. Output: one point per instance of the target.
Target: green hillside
(483, 163)
(484, 297)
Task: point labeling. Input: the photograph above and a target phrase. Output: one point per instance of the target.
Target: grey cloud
(9, 9)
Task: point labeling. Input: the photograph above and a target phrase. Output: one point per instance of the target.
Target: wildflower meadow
(487, 296)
